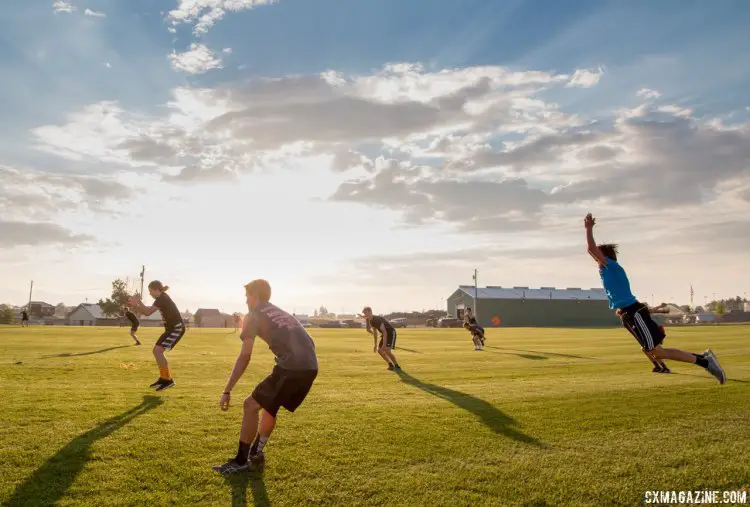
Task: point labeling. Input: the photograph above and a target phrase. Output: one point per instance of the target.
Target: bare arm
(240, 365)
(145, 310)
(593, 250)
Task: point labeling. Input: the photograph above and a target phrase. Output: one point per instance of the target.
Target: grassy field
(541, 417)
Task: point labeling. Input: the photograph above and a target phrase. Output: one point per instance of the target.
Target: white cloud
(647, 93)
(32, 194)
(586, 78)
(227, 51)
(108, 65)
(94, 14)
(196, 60)
(172, 30)
(63, 6)
(205, 13)
(676, 110)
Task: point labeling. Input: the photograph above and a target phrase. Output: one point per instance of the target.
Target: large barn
(525, 307)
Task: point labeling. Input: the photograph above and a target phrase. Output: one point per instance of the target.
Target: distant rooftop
(497, 292)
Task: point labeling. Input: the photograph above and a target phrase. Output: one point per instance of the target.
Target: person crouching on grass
(477, 331)
(288, 384)
(174, 329)
(635, 315)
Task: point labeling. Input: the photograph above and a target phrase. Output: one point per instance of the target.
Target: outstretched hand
(589, 222)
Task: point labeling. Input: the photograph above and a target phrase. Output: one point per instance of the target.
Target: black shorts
(171, 336)
(390, 340)
(637, 319)
(284, 388)
(134, 326)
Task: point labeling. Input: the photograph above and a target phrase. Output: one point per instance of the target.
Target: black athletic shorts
(390, 340)
(637, 319)
(171, 336)
(284, 388)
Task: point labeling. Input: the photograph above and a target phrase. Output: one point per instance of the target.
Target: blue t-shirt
(616, 285)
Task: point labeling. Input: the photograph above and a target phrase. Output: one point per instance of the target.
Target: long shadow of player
(522, 356)
(239, 484)
(89, 353)
(557, 354)
(706, 376)
(408, 350)
(488, 414)
(49, 482)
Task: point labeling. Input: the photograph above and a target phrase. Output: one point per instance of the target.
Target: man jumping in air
(287, 386)
(375, 324)
(635, 315)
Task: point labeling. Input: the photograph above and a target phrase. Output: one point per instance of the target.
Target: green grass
(542, 417)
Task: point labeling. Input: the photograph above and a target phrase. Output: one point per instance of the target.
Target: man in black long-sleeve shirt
(134, 323)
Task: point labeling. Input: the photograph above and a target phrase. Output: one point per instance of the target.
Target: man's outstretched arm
(593, 249)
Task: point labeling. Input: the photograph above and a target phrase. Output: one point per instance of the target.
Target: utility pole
(28, 306)
(476, 294)
(143, 274)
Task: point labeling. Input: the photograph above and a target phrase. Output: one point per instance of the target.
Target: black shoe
(157, 383)
(231, 467)
(664, 369)
(390, 367)
(165, 384)
(657, 369)
(257, 461)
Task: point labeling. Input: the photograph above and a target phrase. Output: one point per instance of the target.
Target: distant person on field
(477, 331)
(635, 316)
(174, 329)
(287, 386)
(377, 324)
(24, 318)
(134, 323)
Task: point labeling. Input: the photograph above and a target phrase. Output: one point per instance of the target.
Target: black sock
(242, 452)
(700, 360)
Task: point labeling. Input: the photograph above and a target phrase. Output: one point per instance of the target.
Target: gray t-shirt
(288, 340)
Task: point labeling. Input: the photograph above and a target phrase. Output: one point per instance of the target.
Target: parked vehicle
(431, 322)
(400, 322)
(331, 324)
(449, 322)
(351, 324)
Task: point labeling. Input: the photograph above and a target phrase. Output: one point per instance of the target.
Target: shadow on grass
(709, 377)
(488, 414)
(91, 352)
(408, 350)
(523, 356)
(241, 482)
(49, 482)
(557, 354)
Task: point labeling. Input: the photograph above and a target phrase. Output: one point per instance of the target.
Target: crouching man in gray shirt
(287, 386)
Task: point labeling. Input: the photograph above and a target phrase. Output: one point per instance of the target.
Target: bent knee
(250, 405)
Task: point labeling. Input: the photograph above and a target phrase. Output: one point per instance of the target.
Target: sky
(363, 152)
